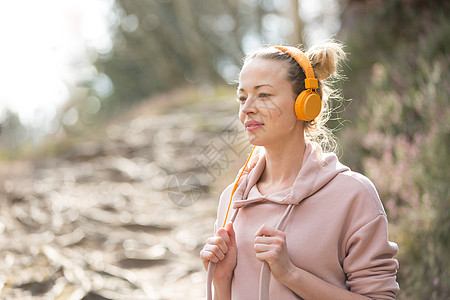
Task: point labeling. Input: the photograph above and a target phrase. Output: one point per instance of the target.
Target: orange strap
(235, 186)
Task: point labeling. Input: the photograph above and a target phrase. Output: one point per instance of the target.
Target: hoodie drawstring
(264, 277)
(212, 267)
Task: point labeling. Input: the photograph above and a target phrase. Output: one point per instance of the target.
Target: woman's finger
(207, 256)
(222, 232)
(259, 248)
(231, 234)
(218, 241)
(265, 230)
(216, 250)
(264, 239)
(212, 252)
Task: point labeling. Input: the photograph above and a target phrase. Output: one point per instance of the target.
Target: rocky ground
(122, 216)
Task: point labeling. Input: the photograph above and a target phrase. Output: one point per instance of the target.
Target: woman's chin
(255, 141)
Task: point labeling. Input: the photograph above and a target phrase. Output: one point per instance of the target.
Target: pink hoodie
(335, 225)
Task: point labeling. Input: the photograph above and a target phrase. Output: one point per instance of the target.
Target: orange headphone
(308, 104)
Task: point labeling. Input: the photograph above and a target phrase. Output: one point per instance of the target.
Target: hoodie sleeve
(369, 263)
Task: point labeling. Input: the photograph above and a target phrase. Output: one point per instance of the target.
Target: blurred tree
(398, 79)
(12, 134)
(292, 14)
(161, 45)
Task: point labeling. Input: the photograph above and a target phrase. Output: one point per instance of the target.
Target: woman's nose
(248, 106)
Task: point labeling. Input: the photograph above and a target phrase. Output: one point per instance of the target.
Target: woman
(304, 225)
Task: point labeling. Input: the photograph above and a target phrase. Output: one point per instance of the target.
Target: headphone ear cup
(308, 105)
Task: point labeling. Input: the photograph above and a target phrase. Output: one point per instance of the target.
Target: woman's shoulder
(361, 191)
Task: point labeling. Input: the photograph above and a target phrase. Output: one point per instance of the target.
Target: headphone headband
(308, 103)
(303, 61)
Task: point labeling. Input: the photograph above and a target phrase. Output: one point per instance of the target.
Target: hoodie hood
(317, 170)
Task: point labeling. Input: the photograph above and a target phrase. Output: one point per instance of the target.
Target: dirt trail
(123, 216)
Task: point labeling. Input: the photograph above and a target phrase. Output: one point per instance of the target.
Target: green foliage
(401, 137)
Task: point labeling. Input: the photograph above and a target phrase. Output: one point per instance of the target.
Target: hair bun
(326, 58)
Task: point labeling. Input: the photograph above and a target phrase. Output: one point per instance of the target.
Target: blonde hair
(326, 59)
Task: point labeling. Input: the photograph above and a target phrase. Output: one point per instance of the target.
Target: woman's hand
(270, 246)
(221, 249)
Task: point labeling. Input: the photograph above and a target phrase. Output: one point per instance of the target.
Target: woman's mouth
(253, 125)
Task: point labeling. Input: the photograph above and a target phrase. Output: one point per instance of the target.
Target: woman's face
(267, 103)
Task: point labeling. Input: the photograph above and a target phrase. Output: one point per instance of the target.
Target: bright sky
(43, 44)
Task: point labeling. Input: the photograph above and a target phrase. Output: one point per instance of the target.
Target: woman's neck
(283, 163)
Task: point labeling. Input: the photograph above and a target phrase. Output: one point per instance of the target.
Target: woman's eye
(242, 99)
(262, 95)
